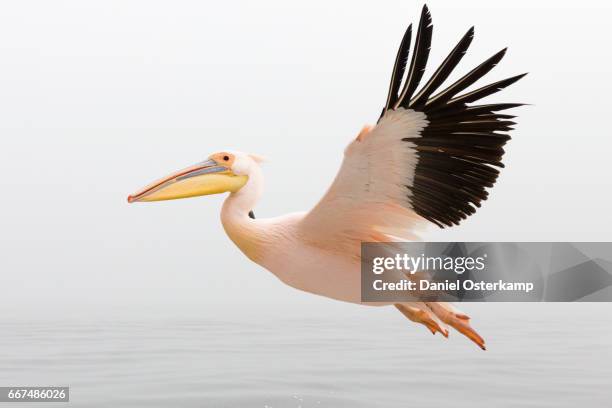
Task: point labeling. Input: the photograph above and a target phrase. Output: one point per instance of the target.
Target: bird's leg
(459, 321)
(423, 316)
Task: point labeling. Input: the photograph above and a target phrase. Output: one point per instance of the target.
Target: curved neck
(242, 229)
(245, 199)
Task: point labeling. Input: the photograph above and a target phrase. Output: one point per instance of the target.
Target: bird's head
(221, 172)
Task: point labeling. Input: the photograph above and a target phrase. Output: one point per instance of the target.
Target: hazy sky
(98, 98)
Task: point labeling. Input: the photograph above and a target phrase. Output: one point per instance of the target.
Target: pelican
(429, 159)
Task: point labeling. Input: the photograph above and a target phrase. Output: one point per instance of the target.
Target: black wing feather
(447, 66)
(467, 80)
(485, 90)
(399, 69)
(460, 149)
(419, 58)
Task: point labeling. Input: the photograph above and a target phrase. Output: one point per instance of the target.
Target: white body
(297, 263)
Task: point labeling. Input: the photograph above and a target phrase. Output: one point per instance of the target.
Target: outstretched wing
(431, 155)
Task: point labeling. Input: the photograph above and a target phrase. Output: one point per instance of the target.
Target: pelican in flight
(428, 160)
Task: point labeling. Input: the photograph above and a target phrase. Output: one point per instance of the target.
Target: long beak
(201, 179)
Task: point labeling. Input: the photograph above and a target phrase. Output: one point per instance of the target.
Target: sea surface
(539, 355)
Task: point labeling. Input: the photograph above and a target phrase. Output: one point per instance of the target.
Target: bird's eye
(225, 158)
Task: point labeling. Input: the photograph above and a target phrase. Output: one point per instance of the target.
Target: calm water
(539, 355)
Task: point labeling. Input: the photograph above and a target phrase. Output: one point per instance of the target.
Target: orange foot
(422, 316)
(458, 321)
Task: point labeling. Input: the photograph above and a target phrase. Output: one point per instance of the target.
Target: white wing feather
(368, 200)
